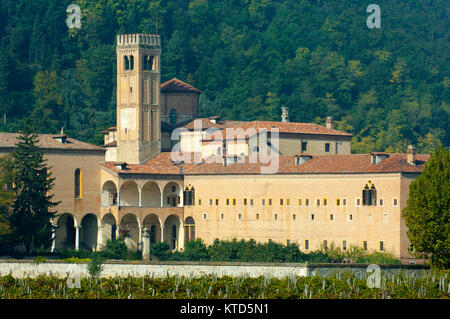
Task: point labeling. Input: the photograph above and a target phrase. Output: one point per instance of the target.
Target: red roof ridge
(175, 84)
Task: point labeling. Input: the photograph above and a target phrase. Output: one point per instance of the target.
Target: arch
(89, 232)
(151, 195)
(109, 194)
(173, 116)
(129, 194)
(126, 63)
(78, 183)
(65, 231)
(189, 229)
(151, 64)
(172, 195)
(129, 229)
(172, 226)
(131, 62)
(369, 194)
(109, 227)
(189, 196)
(153, 225)
(145, 63)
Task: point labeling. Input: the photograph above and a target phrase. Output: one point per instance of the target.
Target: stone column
(162, 198)
(139, 243)
(140, 197)
(146, 245)
(162, 233)
(99, 237)
(117, 232)
(53, 240)
(77, 237)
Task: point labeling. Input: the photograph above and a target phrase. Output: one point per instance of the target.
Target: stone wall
(189, 269)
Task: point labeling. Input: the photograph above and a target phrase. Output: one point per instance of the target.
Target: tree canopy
(427, 214)
(389, 86)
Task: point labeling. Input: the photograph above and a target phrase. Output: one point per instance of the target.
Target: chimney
(121, 165)
(302, 158)
(284, 114)
(411, 156)
(60, 138)
(330, 122)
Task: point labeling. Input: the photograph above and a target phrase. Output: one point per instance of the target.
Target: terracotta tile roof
(175, 85)
(283, 127)
(319, 164)
(111, 144)
(48, 141)
(110, 129)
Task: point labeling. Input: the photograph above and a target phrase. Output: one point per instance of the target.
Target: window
(395, 201)
(222, 216)
(331, 217)
(299, 202)
(217, 202)
(338, 202)
(306, 202)
(381, 202)
(234, 201)
(131, 89)
(199, 202)
(318, 202)
(189, 196)
(228, 202)
(257, 216)
(306, 244)
(239, 216)
(327, 147)
(365, 245)
(131, 62)
(126, 63)
(288, 202)
(189, 229)
(369, 195)
(263, 202)
(210, 202)
(281, 202)
(78, 183)
(344, 202)
(205, 215)
(325, 244)
(358, 202)
(270, 201)
(381, 245)
(344, 245)
(350, 217)
(293, 216)
(325, 202)
(312, 216)
(304, 146)
(173, 116)
(276, 216)
(245, 201)
(251, 202)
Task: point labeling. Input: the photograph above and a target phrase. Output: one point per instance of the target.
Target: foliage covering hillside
(388, 86)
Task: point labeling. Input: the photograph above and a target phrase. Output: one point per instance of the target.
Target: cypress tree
(31, 210)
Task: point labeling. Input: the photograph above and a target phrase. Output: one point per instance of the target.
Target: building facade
(166, 175)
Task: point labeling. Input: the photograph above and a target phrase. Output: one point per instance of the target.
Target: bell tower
(138, 97)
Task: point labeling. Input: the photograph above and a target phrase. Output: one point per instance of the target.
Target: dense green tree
(6, 200)
(31, 212)
(427, 213)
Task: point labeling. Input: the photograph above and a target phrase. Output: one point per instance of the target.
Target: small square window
(281, 202)
(210, 202)
(239, 216)
(331, 217)
(350, 217)
(327, 147)
(338, 202)
(381, 202)
(304, 146)
(325, 244)
(228, 202)
(312, 216)
(270, 201)
(205, 216)
(293, 216)
(306, 202)
(245, 201)
(251, 202)
(276, 216)
(263, 202)
(306, 244)
(257, 216)
(222, 216)
(325, 202)
(299, 202)
(199, 202)
(365, 245)
(395, 201)
(318, 202)
(344, 202)
(358, 202)
(234, 202)
(217, 202)
(344, 245)
(381, 245)
(288, 202)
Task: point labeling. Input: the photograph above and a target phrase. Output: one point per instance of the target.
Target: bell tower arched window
(126, 63)
(145, 66)
(131, 62)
